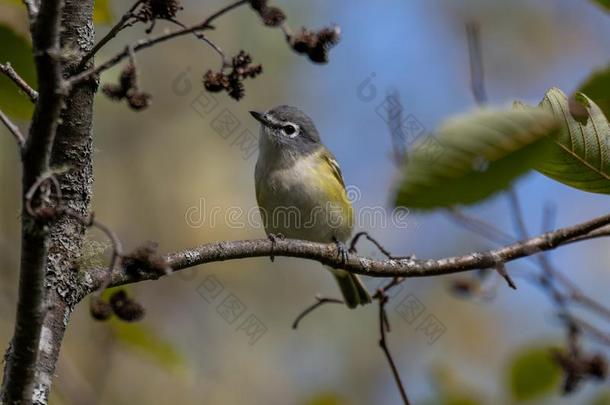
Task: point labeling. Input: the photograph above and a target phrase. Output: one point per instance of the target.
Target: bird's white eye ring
(289, 129)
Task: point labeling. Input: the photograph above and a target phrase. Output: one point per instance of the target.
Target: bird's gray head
(288, 129)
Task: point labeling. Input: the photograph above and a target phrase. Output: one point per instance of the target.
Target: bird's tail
(353, 290)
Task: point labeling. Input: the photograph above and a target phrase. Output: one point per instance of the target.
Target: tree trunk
(72, 150)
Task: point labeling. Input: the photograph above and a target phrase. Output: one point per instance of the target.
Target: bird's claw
(342, 251)
(273, 237)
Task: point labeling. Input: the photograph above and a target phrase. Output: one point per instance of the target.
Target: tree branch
(147, 43)
(13, 129)
(477, 83)
(8, 70)
(384, 328)
(327, 254)
(118, 27)
(319, 302)
(32, 9)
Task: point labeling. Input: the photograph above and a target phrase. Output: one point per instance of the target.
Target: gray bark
(48, 275)
(72, 149)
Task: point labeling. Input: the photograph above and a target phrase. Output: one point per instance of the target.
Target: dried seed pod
(273, 16)
(100, 309)
(159, 9)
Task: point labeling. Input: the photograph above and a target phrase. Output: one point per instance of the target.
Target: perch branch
(327, 254)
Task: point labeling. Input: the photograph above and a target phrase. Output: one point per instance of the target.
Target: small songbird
(300, 189)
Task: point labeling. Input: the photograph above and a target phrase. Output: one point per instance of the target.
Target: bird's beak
(260, 117)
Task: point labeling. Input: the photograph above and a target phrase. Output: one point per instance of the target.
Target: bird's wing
(332, 162)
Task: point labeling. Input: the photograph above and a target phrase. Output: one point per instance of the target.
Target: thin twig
(8, 70)
(577, 296)
(118, 27)
(32, 9)
(551, 275)
(117, 246)
(549, 272)
(356, 238)
(517, 214)
(147, 43)
(132, 61)
(384, 328)
(598, 334)
(319, 302)
(396, 127)
(501, 269)
(549, 214)
(574, 294)
(287, 31)
(378, 245)
(477, 81)
(224, 60)
(479, 227)
(29, 195)
(13, 129)
(396, 281)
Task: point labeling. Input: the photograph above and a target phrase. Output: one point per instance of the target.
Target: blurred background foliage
(162, 173)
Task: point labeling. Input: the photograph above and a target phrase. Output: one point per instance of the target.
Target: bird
(300, 190)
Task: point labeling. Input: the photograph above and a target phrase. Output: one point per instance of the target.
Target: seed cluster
(316, 44)
(127, 89)
(158, 9)
(232, 82)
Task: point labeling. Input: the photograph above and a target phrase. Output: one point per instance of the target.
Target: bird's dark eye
(289, 129)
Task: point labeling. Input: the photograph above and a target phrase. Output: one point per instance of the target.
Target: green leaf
(597, 88)
(533, 373)
(474, 156)
(603, 3)
(145, 341)
(17, 51)
(102, 13)
(579, 155)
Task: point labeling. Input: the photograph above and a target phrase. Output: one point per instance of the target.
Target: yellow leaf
(102, 13)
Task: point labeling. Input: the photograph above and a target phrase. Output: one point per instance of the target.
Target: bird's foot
(273, 237)
(342, 251)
